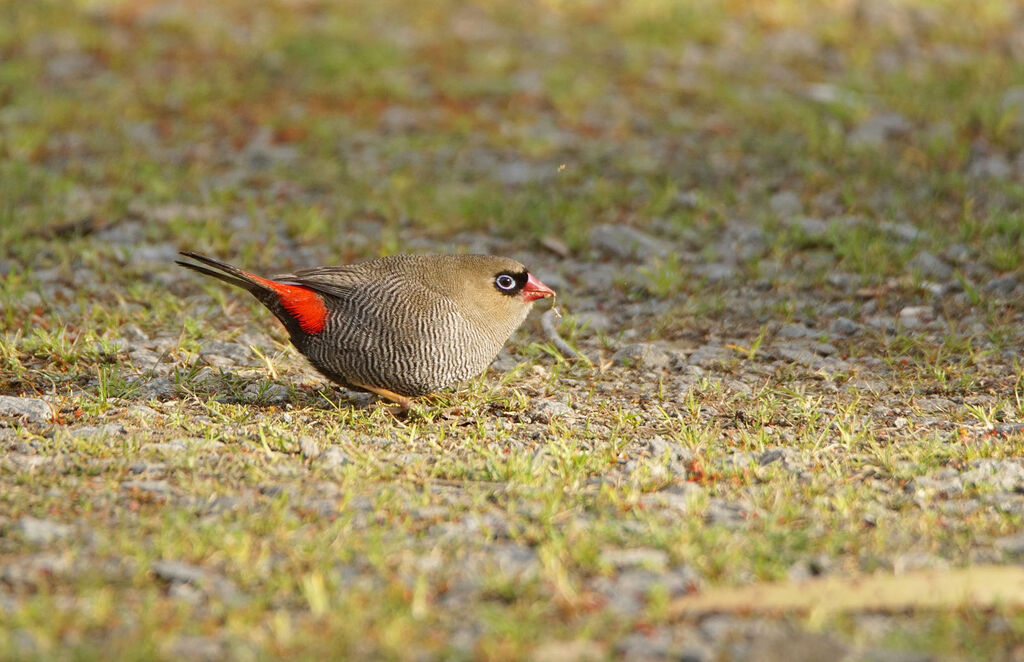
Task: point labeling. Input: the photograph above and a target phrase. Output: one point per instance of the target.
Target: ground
(786, 237)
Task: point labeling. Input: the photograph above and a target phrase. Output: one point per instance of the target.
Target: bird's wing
(339, 282)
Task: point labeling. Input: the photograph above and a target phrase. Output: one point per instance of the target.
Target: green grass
(476, 528)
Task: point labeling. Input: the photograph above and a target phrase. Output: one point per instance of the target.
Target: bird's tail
(225, 272)
(300, 308)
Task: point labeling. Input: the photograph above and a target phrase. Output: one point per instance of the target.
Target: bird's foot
(403, 402)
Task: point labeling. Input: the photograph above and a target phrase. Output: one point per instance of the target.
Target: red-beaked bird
(398, 326)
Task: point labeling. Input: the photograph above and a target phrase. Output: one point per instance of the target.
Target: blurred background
(788, 233)
(312, 123)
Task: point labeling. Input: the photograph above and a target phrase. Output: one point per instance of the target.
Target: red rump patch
(302, 303)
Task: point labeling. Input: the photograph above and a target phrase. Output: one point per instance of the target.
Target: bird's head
(491, 287)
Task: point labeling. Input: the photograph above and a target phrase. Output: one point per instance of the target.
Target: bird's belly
(408, 364)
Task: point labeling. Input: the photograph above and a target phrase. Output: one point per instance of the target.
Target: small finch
(398, 326)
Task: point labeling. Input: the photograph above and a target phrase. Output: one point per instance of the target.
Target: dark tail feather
(223, 271)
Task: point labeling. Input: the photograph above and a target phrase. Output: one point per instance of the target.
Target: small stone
(334, 458)
(144, 255)
(878, 129)
(824, 348)
(944, 483)
(268, 393)
(795, 331)
(812, 229)
(844, 326)
(161, 487)
(1004, 475)
(546, 410)
(912, 561)
(799, 355)
(29, 410)
(645, 646)
(196, 649)
(1012, 544)
(177, 571)
(646, 557)
(555, 245)
(661, 448)
(1001, 285)
(104, 431)
(575, 650)
(710, 356)
(41, 531)
(727, 513)
(916, 316)
(715, 272)
(990, 166)
(930, 266)
(786, 203)
(905, 232)
(648, 356)
(145, 359)
(626, 243)
(308, 447)
(957, 253)
(234, 353)
(591, 322)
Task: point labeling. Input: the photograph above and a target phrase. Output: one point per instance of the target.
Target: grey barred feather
(411, 324)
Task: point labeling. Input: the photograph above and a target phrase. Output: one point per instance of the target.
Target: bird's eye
(505, 282)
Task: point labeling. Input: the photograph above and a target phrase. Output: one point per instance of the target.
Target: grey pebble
(590, 322)
(29, 410)
(914, 317)
(644, 557)
(990, 166)
(715, 272)
(710, 356)
(795, 330)
(145, 359)
(844, 326)
(905, 232)
(944, 483)
(161, 388)
(727, 513)
(824, 348)
(548, 409)
(104, 431)
(930, 266)
(308, 447)
(196, 648)
(648, 356)
(269, 394)
(1012, 544)
(809, 227)
(177, 571)
(334, 457)
(800, 356)
(1004, 475)
(626, 243)
(41, 531)
(151, 486)
(786, 203)
(1001, 285)
(878, 129)
(233, 352)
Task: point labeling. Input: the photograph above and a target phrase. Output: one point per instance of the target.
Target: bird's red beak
(534, 289)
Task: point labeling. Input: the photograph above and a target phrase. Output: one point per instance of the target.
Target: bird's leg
(400, 400)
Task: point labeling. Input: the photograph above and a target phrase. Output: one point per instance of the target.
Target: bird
(399, 326)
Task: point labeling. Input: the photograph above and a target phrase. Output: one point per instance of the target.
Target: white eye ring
(505, 282)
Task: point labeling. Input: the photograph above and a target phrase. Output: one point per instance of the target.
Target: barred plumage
(404, 325)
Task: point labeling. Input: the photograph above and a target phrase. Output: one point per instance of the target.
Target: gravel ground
(799, 335)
